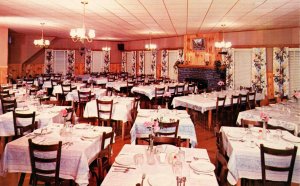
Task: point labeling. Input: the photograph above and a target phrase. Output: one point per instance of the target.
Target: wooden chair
(159, 140)
(4, 94)
(234, 109)
(221, 170)
(134, 110)
(251, 101)
(8, 105)
(38, 171)
(65, 89)
(290, 154)
(104, 112)
(33, 91)
(83, 98)
(69, 117)
(281, 128)
(219, 142)
(179, 90)
(55, 82)
(158, 100)
(21, 129)
(243, 102)
(171, 129)
(110, 91)
(220, 109)
(104, 156)
(191, 88)
(245, 123)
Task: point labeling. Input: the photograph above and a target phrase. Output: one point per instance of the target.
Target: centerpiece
(265, 118)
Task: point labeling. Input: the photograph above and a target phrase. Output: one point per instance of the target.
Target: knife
(123, 167)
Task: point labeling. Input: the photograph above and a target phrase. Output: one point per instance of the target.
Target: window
(242, 67)
(60, 60)
(294, 69)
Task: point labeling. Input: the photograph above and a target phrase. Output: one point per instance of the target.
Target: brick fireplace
(201, 73)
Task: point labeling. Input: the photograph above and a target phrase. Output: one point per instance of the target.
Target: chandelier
(79, 34)
(41, 42)
(223, 44)
(150, 46)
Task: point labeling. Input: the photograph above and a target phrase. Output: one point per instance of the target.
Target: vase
(264, 130)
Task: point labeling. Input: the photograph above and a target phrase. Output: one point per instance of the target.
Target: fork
(143, 177)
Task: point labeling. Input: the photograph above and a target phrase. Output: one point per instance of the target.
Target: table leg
(209, 119)
(123, 130)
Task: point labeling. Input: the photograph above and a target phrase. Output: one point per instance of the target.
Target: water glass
(177, 168)
(150, 156)
(139, 160)
(181, 155)
(161, 157)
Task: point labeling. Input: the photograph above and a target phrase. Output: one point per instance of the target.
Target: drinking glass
(139, 160)
(181, 155)
(177, 168)
(150, 156)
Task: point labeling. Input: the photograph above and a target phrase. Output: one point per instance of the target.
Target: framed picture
(198, 44)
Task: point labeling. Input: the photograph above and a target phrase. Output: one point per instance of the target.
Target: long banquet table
(161, 171)
(207, 101)
(286, 115)
(78, 151)
(186, 129)
(242, 147)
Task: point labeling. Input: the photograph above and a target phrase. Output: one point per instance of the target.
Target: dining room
(150, 93)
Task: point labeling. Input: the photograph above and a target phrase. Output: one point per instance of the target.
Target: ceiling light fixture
(150, 46)
(41, 42)
(223, 44)
(79, 34)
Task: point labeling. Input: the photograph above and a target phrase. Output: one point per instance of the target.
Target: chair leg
(21, 180)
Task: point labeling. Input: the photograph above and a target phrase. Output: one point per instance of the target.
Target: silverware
(123, 167)
(203, 173)
(143, 177)
(121, 170)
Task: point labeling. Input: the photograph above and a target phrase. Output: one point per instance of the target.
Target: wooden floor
(205, 139)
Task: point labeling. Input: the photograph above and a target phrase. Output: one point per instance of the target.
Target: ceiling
(125, 20)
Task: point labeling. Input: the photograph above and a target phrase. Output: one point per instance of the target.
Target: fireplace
(203, 76)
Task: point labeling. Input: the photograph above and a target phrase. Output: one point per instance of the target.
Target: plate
(125, 160)
(40, 131)
(22, 109)
(90, 135)
(272, 145)
(81, 126)
(236, 135)
(160, 180)
(143, 114)
(202, 166)
(291, 138)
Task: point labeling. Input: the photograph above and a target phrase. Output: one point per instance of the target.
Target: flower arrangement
(221, 83)
(264, 117)
(152, 125)
(64, 112)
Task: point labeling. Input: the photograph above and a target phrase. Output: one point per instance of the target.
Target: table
(286, 115)
(149, 90)
(244, 158)
(45, 116)
(121, 110)
(57, 88)
(73, 96)
(186, 129)
(207, 101)
(75, 158)
(134, 176)
(117, 85)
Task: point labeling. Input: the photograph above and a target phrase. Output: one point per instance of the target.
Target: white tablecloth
(205, 102)
(244, 159)
(75, 159)
(134, 176)
(57, 89)
(284, 115)
(117, 85)
(121, 108)
(73, 96)
(44, 117)
(149, 90)
(186, 128)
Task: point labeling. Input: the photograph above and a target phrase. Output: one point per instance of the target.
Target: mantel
(196, 66)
